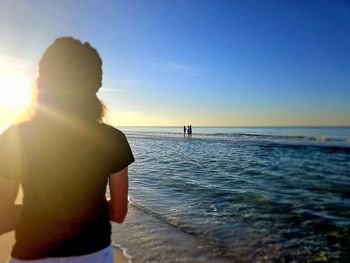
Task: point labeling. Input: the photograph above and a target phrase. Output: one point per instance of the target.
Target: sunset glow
(228, 64)
(15, 95)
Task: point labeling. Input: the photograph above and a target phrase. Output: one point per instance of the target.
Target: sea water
(238, 194)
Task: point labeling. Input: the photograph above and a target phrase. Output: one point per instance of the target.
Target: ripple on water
(249, 201)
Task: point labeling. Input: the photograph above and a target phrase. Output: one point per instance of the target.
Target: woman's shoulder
(13, 135)
(112, 132)
(14, 130)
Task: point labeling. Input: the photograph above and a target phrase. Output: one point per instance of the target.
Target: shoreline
(8, 239)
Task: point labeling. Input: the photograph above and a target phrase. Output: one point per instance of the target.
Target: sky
(195, 62)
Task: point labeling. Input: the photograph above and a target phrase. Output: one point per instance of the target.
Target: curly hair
(70, 75)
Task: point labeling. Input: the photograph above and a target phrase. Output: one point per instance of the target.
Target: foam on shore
(150, 239)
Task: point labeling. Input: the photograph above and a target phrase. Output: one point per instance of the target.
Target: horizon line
(326, 125)
(258, 125)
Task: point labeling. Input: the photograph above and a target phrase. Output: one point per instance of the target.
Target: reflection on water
(242, 200)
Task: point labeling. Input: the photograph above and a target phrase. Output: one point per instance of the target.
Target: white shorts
(102, 256)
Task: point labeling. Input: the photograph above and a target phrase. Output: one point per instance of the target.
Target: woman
(63, 158)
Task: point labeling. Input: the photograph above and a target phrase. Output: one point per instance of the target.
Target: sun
(15, 96)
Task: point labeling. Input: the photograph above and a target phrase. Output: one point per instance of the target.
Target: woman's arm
(9, 212)
(118, 204)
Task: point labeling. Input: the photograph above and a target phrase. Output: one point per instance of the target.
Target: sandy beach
(7, 240)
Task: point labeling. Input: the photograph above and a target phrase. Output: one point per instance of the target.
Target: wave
(152, 213)
(203, 237)
(148, 237)
(283, 137)
(123, 250)
(173, 223)
(323, 140)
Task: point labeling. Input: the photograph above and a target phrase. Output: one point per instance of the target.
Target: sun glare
(15, 96)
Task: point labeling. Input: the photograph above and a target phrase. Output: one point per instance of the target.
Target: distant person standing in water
(189, 130)
(184, 129)
(63, 158)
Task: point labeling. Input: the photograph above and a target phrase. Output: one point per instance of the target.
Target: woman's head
(70, 74)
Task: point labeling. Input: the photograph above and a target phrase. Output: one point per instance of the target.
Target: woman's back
(63, 159)
(64, 173)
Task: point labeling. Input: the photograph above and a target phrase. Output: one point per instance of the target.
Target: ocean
(238, 194)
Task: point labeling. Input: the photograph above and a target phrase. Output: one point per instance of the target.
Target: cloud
(129, 81)
(112, 89)
(183, 68)
(126, 89)
(122, 85)
(140, 118)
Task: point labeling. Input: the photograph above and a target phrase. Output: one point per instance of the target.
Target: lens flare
(15, 96)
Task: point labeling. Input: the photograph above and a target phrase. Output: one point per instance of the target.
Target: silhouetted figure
(63, 158)
(184, 129)
(190, 130)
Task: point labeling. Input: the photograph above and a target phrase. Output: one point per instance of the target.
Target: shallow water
(238, 194)
(258, 195)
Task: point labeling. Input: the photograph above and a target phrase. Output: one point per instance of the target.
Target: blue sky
(201, 62)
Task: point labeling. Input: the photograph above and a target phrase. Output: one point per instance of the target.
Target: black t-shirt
(64, 171)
